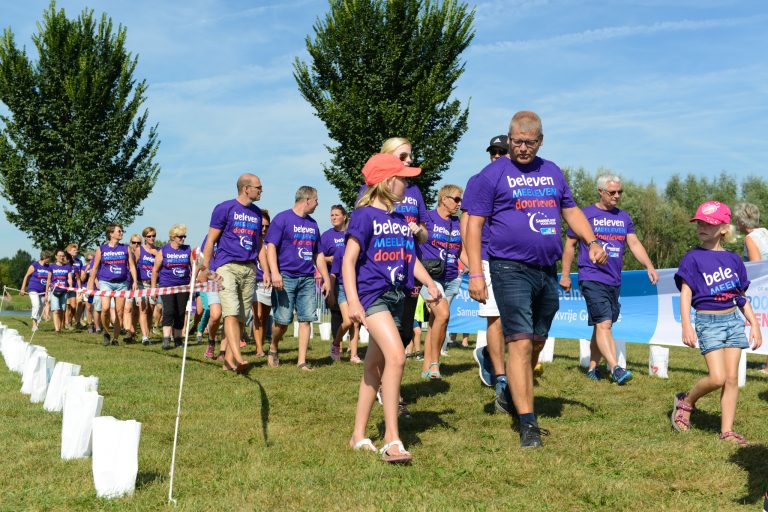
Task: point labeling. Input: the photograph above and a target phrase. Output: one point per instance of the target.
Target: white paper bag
(30, 366)
(80, 383)
(743, 369)
(482, 339)
(41, 377)
(15, 354)
(585, 352)
(54, 397)
(363, 335)
(547, 354)
(325, 331)
(115, 456)
(658, 361)
(80, 408)
(621, 353)
(296, 330)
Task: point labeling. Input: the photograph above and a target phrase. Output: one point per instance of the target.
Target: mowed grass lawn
(277, 440)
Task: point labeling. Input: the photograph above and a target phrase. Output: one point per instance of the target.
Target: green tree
(17, 267)
(72, 147)
(385, 68)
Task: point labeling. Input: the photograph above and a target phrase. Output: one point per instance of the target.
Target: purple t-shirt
(78, 265)
(387, 252)
(718, 279)
(438, 239)
(295, 239)
(146, 263)
(338, 259)
(467, 202)
(454, 249)
(412, 207)
(59, 275)
(330, 240)
(114, 263)
(38, 278)
(240, 227)
(611, 227)
(175, 269)
(523, 204)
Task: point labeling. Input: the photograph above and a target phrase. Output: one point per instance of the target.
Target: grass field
(277, 440)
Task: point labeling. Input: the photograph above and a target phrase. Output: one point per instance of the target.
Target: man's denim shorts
(602, 301)
(298, 292)
(527, 298)
(720, 331)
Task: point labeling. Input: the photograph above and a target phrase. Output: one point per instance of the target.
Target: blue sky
(646, 88)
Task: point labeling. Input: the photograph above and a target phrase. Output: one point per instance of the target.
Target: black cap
(499, 141)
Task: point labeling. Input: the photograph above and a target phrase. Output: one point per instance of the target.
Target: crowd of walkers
(380, 264)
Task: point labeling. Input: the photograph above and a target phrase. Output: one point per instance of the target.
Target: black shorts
(602, 301)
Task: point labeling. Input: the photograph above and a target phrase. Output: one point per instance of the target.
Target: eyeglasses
(404, 156)
(614, 192)
(497, 152)
(519, 142)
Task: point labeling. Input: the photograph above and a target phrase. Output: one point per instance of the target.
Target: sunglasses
(614, 192)
(134, 242)
(149, 236)
(456, 199)
(181, 236)
(497, 152)
(404, 156)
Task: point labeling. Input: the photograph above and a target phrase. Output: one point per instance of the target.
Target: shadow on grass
(704, 420)
(414, 391)
(548, 407)
(419, 422)
(147, 478)
(451, 369)
(754, 460)
(264, 410)
(636, 366)
(763, 395)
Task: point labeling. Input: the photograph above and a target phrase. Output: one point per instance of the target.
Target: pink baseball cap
(383, 166)
(713, 212)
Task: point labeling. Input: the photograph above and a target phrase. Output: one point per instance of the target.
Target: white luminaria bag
(54, 397)
(30, 365)
(658, 361)
(80, 408)
(743, 369)
(482, 339)
(584, 353)
(325, 331)
(115, 456)
(15, 352)
(363, 335)
(621, 353)
(41, 377)
(547, 354)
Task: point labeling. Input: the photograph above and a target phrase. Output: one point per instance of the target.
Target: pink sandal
(678, 418)
(734, 438)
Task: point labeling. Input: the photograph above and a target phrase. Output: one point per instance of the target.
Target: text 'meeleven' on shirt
(611, 227)
(522, 206)
(240, 227)
(717, 279)
(387, 253)
(296, 240)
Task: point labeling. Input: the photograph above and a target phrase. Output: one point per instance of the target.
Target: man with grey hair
(234, 229)
(292, 254)
(600, 284)
(522, 199)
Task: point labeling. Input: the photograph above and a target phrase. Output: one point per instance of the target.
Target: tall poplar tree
(73, 155)
(386, 68)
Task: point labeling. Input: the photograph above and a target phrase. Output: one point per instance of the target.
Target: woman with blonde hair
(173, 267)
(144, 254)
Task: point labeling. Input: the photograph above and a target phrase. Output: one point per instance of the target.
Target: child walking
(714, 281)
(379, 265)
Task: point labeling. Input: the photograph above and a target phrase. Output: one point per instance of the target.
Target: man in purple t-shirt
(600, 284)
(522, 199)
(234, 229)
(292, 254)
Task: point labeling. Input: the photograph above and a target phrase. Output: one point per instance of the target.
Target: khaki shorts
(239, 282)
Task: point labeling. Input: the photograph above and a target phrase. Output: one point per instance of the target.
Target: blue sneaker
(503, 401)
(619, 375)
(594, 374)
(485, 364)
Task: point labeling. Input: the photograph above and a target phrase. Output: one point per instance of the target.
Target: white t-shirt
(760, 237)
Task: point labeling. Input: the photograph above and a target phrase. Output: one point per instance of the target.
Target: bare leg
(304, 329)
(278, 331)
(520, 374)
(438, 322)
(604, 340)
(232, 334)
(495, 344)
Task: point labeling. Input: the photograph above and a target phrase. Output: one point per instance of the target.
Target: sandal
(430, 374)
(734, 438)
(243, 368)
(403, 457)
(365, 445)
(679, 421)
(272, 359)
(305, 367)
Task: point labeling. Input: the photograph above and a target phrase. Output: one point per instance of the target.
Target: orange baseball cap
(383, 166)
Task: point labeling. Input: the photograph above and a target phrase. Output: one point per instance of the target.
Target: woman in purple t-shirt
(173, 267)
(37, 278)
(379, 264)
(714, 282)
(144, 255)
(59, 276)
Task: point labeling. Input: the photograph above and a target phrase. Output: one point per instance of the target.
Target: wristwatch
(595, 241)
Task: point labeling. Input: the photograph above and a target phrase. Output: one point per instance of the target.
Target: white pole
(2, 299)
(181, 380)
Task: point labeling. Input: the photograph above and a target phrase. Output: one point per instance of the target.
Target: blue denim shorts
(424, 292)
(720, 331)
(527, 298)
(341, 295)
(392, 301)
(602, 301)
(452, 288)
(58, 301)
(298, 292)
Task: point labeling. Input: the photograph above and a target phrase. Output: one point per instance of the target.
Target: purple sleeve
(275, 231)
(219, 216)
(630, 225)
(684, 273)
(360, 228)
(482, 197)
(422, 207)
(567, 200)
